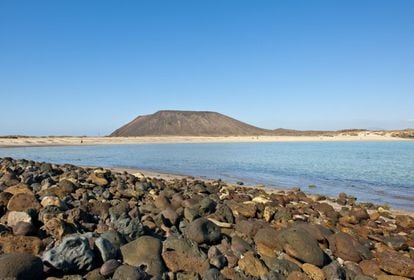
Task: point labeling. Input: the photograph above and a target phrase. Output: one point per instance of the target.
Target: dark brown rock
(180, 254)
(247, 210)
(396, 263)
(109, 267)
(252, 266)
(298, 243)
(370, 268)
(202, 230)
(348, 248)
(144, 252)
(21, 266)
(265, 241)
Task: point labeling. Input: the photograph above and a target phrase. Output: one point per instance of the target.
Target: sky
(79, 67)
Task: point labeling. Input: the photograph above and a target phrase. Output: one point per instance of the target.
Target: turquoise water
(379, 172)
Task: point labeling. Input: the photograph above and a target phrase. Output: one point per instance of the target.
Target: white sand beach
(67, 140)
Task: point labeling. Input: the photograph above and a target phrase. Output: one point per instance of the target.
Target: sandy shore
(62, 141)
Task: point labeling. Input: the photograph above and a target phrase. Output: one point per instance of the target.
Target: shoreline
(106, 221)
(267, 188)
(85, 141)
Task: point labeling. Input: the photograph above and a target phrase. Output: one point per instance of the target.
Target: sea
(378, 172)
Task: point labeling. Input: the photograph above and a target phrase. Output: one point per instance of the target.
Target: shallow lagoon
(380, 172)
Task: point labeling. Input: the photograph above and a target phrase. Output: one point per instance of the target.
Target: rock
(126, 272)
(72, 255)
(370, 268)
(391, 277)
(57, 228)
(202, 230)
(213, 274)
(51, 200)
(396, 263)
(20, 266)
(161, 202)
(351, 269)
(144, 252)
(191, 214)
(4, 199)
(252, 265)
(98, 179)
(94, 275)
(396, 242)
(23, 228)
(170, 215)
(247, 228)
(22, 202)
(21, 244)
(130, 228)
(318, 232)
(247, 210)
(334, 271)
(360, 214)
(283, 267)
(348, 248)
(15, 217)
(269, 213)
(314, 272)
(184, 255)
(116, 239)
(109, 267)
(363, 277)
(265, 241)
(106, 249)
(187, 276)
(299, 244)
(296, 275)
(405, 221)
(19, 188)
(67, 186)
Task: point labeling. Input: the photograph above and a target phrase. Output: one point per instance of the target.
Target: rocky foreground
(63, 221)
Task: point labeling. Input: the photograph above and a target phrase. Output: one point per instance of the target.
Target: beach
(97, 223)
(62, 141)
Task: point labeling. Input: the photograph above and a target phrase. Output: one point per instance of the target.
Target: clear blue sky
(87, 67)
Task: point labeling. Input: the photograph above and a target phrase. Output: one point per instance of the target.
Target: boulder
(298, 243)
(144, 252)
(109, 267)
(314, 272)
(21, 266)
(265, 241)
(202, 230)
(14, 217)
(348, 248)
(180, 254)
(106, 249)
(252, 266)
(72, 255)
(129, 272)
(23, 202)
(396, 263)
(21, 244)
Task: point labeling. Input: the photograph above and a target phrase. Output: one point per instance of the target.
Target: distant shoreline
(10, 142)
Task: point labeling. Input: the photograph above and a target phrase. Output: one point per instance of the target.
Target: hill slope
(187, 123)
